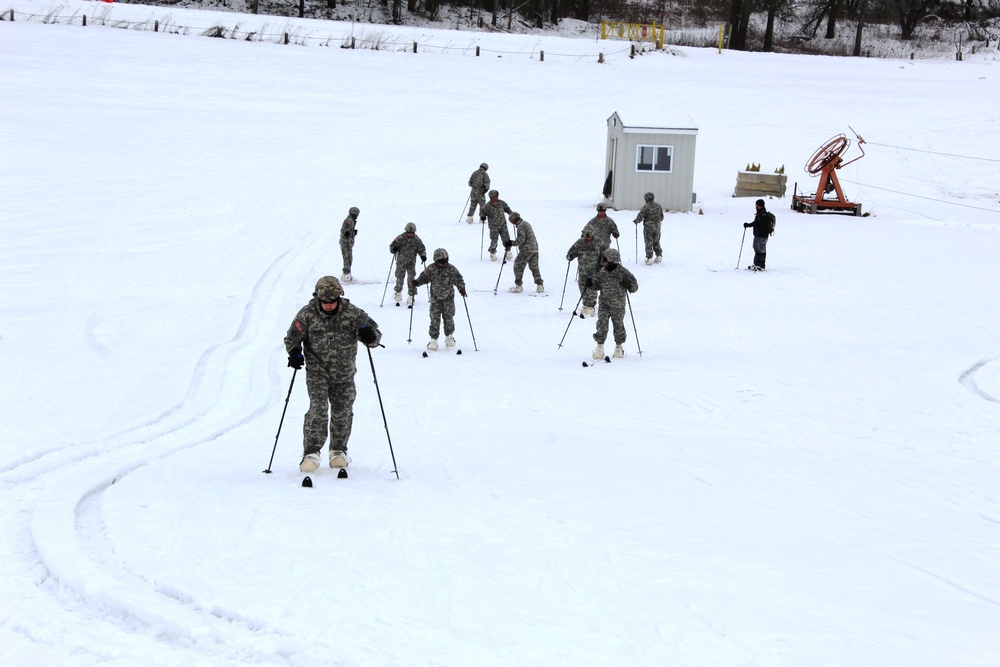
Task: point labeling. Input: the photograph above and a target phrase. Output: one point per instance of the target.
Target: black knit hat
(760, 202)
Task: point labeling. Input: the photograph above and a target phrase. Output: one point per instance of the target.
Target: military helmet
(354, 211)
(588, 230)
(328, 288)
(648, 196)
(611, 255)
(440, 254)
(515, 217)
(494, 193)
(484, 166)
(602, 207)
(410, 228)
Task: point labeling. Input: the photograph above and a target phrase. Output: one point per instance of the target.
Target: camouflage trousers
(477, 198)
(589, 295)
(442, 309)
(651, 238)
(406, 269)
(529, 259)
(495, 233)
(617, 317)
(327, 400)
(348, 252)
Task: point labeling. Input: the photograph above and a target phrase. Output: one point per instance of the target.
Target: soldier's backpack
(771, 220)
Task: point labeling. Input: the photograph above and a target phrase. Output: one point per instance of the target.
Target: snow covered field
(801, 468)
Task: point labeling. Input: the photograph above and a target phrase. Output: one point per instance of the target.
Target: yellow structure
(634, 32)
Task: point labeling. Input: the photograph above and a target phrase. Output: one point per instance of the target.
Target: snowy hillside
(800, 468)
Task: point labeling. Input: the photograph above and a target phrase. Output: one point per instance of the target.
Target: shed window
(654, 158)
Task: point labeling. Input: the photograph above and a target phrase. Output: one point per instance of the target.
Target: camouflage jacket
(406, 248)
(651, 212)
(495, 213)
(442, 279)
(479, 181)
(525, 241)
(603, 228)
(348, 232)
(330, 340)
(609, 284)
(588, 255)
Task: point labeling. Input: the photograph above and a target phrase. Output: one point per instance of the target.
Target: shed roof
(672, 123)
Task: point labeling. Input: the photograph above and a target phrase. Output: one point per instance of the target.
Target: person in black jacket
(761, 230)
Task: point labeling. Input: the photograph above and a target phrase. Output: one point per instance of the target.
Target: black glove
(295, 358)
(482, 220)
(615, 234)
(367, 335)
(413, 283)
(355, 232)
(423, 259)
(393, 249)
(625, 283)
(589, 282)
(507, 245)
(462, 292)
(747, 225)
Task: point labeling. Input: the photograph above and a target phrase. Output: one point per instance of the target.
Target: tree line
(978, 17)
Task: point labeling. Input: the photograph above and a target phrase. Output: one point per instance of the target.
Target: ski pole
(424, 264)
(467, 201)
(371, 361)
(632, 315)
(386, 288)
(637, 243)
(573, 317)
(482, 238)
(741, 248)
(409, 336)
(502, 264)
(468, 317)
(565, 282)
(282, 421)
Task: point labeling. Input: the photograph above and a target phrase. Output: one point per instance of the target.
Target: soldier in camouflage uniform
(324, 336)
(443, 278)
(347, 233)
(604, 226)
(494, 212)
(614, 282)
(651, 215)
(480, 183)
(406, 247)
(527, 253)
(587, 251)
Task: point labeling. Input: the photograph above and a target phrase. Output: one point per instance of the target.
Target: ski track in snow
(66, 529)
(968, 380)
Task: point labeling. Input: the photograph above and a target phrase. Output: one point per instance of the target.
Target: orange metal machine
(824, 163)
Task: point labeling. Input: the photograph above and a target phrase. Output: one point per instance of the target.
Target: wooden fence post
(600, 58)
(541, 56)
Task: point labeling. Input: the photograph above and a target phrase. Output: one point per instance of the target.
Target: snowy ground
(799, 469)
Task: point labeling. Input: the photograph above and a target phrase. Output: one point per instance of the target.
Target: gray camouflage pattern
(604, 228)
(347, 234)
(329, 344)
(480, 184)
(527, 252)
(611, 305)
(588, 256)
(407, 249)
(497, 221)
(444, 280)
(651, 215)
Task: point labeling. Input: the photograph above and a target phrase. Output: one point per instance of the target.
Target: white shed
(652, 155)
